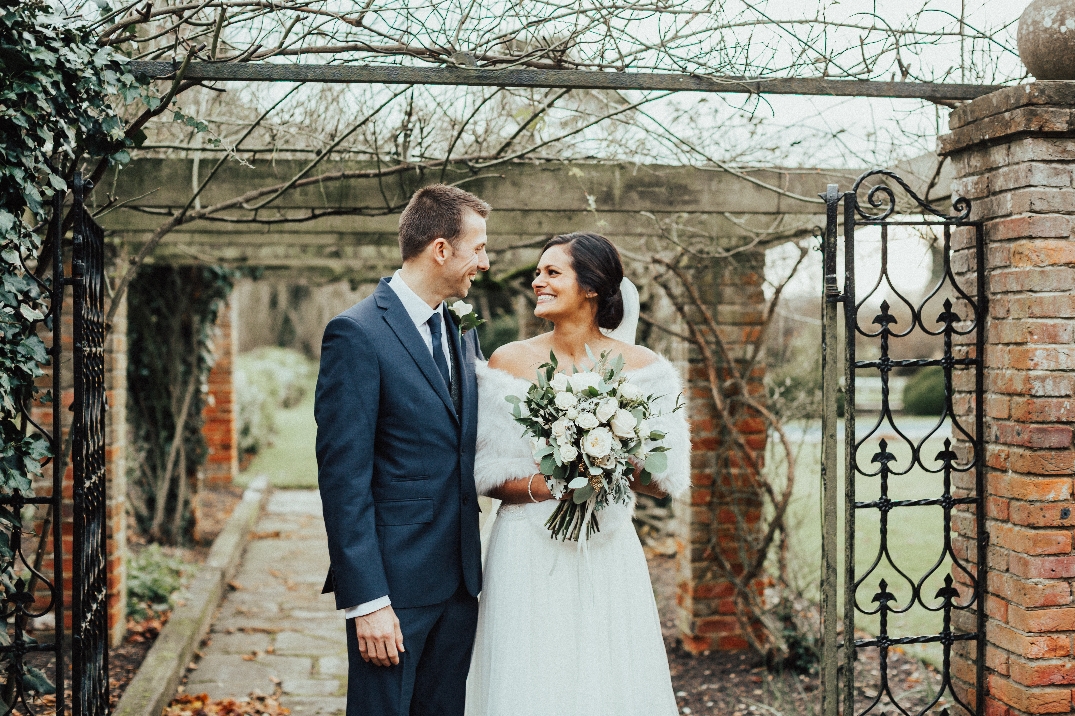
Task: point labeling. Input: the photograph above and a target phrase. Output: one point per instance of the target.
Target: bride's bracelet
(529, 486)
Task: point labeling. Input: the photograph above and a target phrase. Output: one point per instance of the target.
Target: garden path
(274, 628)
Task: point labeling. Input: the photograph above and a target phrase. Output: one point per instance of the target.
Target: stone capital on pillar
(1013, 152)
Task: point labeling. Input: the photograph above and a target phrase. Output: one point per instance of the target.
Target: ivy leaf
(30, 313)
(34, 680)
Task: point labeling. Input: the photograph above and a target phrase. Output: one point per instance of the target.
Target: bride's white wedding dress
(565, 630)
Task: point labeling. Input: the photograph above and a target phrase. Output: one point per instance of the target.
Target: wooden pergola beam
(567, 79)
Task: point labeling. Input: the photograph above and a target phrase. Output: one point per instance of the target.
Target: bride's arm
(522, 490)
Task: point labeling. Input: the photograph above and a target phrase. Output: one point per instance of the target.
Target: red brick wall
(707, 617)
(1012, 152)
(220, 410)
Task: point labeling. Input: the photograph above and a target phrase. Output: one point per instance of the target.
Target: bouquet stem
(566, 521)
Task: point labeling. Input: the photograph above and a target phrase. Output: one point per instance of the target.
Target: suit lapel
(396, 316)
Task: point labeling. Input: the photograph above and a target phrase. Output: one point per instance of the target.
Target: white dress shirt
(420, 313)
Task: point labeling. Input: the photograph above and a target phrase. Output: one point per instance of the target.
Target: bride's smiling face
(557, 289)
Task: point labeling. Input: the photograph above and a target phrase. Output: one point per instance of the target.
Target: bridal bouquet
(589, 431)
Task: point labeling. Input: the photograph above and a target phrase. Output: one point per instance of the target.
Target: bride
(569, 628)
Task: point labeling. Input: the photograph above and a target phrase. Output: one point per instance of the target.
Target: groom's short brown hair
(435, 212)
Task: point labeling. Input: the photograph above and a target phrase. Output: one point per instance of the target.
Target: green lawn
(915, 539)
(290, 460)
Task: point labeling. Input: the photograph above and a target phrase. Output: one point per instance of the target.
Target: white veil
(629, 325)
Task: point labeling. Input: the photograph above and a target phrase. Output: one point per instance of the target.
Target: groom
(396, 409)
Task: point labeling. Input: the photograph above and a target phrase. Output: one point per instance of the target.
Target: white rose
(606, 409)
(598, 442)
(559, 428)
(568, 453)
(629, 391)
(623, 424)
(586, 421)
(582, 381)
(566, 400)
(461, 308)
(559, 383)
(572, 414)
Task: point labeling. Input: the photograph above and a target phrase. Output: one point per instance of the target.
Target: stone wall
(1013, 152)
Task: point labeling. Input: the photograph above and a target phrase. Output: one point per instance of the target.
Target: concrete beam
(531, 201)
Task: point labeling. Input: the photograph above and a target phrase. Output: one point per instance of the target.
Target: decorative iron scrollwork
(883, 455)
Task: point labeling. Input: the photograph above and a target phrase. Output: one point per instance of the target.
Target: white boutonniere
(467, 317)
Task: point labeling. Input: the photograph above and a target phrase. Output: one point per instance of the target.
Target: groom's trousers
(431, 677)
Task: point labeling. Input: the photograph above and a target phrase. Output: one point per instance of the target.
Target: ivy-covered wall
(60, 102)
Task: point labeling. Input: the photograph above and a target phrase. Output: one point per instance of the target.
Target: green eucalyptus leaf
(577, 483)
(656, 462)
(582, 494)
(548, 465)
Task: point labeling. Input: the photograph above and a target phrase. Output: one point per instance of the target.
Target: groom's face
(466, 256)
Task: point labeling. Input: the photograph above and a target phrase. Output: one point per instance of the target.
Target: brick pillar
(1014, 157)
(221, 410)
(115, 469)
(706, 609)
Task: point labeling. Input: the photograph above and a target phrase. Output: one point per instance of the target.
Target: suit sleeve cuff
(367, 608)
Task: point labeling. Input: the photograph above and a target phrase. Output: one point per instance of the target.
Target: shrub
(266, 380)
(924, 392)
(153, 578)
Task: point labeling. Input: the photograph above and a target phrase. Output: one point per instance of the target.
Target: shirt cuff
(367, 608)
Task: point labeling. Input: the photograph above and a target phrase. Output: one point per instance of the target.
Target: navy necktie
(435, 327)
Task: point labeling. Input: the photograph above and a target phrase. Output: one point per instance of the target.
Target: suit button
(466, 499)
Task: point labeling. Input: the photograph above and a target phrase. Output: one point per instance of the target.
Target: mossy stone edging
(153, 686)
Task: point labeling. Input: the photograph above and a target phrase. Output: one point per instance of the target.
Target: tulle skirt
(564, 630)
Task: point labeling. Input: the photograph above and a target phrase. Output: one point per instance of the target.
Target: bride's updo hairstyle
(597, 268)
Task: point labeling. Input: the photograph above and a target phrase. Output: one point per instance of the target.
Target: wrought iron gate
(889, 470)
(35, 594)
(89, 596)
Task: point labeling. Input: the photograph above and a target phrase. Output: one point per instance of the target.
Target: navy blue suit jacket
(395, 462)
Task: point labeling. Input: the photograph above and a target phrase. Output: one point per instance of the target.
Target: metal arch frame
(565, 79)
(881, 197)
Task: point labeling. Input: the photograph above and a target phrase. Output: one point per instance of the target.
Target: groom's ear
(439, 250)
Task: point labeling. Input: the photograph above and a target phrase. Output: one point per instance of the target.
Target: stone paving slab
(274, 627)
